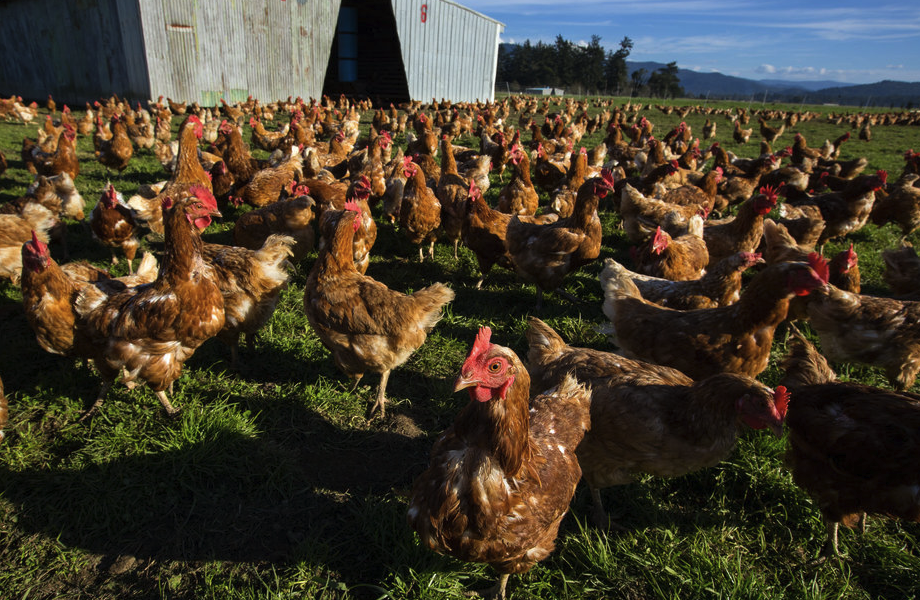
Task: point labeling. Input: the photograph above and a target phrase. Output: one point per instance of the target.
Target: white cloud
(768, 69)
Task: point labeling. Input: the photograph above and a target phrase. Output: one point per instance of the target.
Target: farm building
(389, 50)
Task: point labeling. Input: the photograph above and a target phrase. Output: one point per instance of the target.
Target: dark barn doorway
(366, 60)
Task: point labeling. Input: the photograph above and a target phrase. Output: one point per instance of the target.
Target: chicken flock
(725, 252)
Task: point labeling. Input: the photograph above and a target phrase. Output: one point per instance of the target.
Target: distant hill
(716, 85)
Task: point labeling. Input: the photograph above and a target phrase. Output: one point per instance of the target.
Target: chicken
(420, 211)
(852, 447)
(544, 254)
(236, 155)
(738, 188)
(562, 199)
(741, 136)
(356, 199)
(149, 331)
(188, 173)
(290, 217)
(770, 134)
(264, 139)
(743, 233)
(452, 194)
(501, 477)
(803, 223)
(364, 324)
(651, 419)
(730, 339)
(683, 258)
(112, 224)
(519, 197)
(719, 286)
(642, 215)
(116, 152)
(780, 246)
(63, 160)
(17, 229)
(901, 205)
(250, 282)
(847, 211)
(548, 170)
(701, 196)
(902, 270)
(266, 185)
(881, 332)
(844, 270)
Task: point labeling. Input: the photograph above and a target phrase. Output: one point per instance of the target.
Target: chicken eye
(495, 367)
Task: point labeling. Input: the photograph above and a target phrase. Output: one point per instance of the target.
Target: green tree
(590, 71)
(615, 70)
(665, 83)
(638, 80)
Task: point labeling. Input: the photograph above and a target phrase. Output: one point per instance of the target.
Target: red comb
(482, 343)
(607, 176)
(769, 191)
(39, 246)
(819, 266)
(883, 175)
(781, 400)
(353, 207)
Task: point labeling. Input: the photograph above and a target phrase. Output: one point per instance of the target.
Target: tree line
(583, 69)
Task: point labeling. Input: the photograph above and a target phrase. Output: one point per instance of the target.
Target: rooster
(500, 479)
(648, 418)
(732, 339)
(852, 447)
(366, 325)
(150, 331)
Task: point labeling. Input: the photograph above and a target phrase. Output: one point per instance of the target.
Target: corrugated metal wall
(449, 51)
(78, 50)
(211, 49)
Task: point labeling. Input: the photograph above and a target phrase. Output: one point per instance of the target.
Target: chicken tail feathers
(544, 342)
(148, 269)
(430, 302)
(805, 365)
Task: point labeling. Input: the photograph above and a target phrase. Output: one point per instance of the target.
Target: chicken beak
(777, 428)
(216, 213)
(465, 381)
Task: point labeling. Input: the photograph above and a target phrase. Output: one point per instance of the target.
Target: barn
(388, 50)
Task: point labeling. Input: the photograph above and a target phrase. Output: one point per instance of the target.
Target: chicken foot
(170, 411)
(496, 592)
(381, 397)
(106, 385)
(599, 516)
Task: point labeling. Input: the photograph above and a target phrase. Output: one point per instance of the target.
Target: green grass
(272, 484)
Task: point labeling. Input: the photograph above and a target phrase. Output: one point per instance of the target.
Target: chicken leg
(106, 385)
(381, 396)
(496, 592)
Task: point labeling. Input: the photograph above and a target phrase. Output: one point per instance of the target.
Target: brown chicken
(236, 155)
(651, 419)
(642, 215)
(452, 192)
(852, 447)
(116, 152)
(149, 331)
(189, 172)
(743, 232)
(250, 282)
(112, 224)
(704, 342)
(519, 197)
(420, 211)
(290, 217)
(356, 200)
(500, 479)
(900, 205)
(902, 270)
(544, 254)
(779, 245)
(364, 324)
(562, 199)
(803, 223)
(683, 258)
(847, 211)
(63, 160)
(15, 230)
(844, 271)
(881, 332)
(719, 286)
(266, 185)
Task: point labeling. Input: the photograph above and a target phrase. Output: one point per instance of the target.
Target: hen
(364, 324)
(356, 197)
(116, 152)
(112, 224)
(719, 286)
(682, 258)
(149, 331)
(882, 332)
(732, 339)
(519, 197)
(290, 217)
(420, 211)
(545, 253)
(62, 160)
(17, 229)
(901, 205)
(266, 185)
(902, 270)
(452, 193)
(742, 233)
(852, 447)
(250, 282)
(847, 211)
(651, 419)
(501, 478)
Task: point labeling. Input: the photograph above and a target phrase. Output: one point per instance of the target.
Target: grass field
(272, 484)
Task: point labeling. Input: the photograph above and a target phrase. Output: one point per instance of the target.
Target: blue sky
(846, 41)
